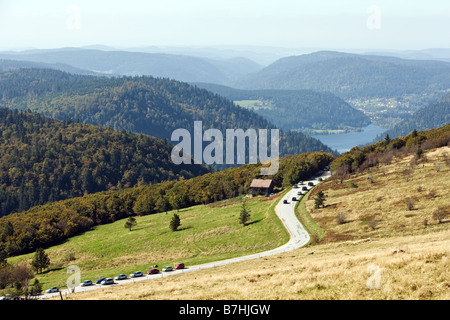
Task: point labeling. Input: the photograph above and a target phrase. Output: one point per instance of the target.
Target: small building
(261, 186)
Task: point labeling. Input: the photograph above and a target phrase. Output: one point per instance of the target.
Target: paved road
(299, 237)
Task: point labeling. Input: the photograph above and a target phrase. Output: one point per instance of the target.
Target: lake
(343, 142)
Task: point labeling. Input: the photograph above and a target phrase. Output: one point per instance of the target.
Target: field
(255, 104)
(400, 256)
(207, 233)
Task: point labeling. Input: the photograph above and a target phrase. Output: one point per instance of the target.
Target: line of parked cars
(137, 274)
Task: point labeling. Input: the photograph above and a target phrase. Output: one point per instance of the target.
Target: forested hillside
(432, 116)
(297, 109)
(139, 104)
(46, 160)
(45, 225)
(352, 76)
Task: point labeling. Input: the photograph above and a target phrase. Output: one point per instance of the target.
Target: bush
(175, 222)
(440, 214)
(409, 203)
(373, 223)
(341, 219)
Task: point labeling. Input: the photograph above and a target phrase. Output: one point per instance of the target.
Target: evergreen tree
(40, 261)
(245, 214)
(175, 222)
(36, 288)
(319, 200)
(130, 223)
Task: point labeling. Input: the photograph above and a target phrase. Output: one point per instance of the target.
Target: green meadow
(207, 233)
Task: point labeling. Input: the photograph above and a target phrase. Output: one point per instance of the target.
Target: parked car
(179, 266)
(121, 277)
(6, 297)
(285, 201)
(153, 271)
(305, 188)
(300, 183)
(168, 268)
(108, 281)
(136, 274)
(311, 184)
(87, 283)
(99, 280)
(295, 186)
(294, 199)
(299, 193)
(52, 289)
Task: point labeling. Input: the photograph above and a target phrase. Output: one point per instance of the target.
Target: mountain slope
(48, 160)
(432, 116)
(146, 105)
(297, 109)
(351, 75)
(46, 225)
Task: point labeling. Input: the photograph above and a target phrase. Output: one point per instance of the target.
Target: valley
(84, 152)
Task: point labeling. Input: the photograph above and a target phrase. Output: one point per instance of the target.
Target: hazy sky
(377, 24)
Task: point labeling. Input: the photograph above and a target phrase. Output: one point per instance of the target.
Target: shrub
(409, 203)
(341, 218)
(439, 214)
(175, 222)
(373, 223)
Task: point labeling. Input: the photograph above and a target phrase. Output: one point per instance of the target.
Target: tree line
(48, 224)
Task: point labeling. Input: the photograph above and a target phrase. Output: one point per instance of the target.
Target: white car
(136, 274)
(52, 289)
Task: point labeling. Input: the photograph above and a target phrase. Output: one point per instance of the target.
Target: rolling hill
(409, 248)
(144, 104)
(45, 160)
(296, 109)
(434, 115)
(351, 76)
(52, 223)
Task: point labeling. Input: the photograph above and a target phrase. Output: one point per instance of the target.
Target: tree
(245, 214)
(40, 260)
(162, 205)
(175, 222)
(130, 223)
(319, 200)
(36, 288)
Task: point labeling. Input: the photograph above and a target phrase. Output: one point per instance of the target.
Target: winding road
(299, 237)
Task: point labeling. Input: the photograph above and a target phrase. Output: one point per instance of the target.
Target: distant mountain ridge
(113, 62)
(351, 75)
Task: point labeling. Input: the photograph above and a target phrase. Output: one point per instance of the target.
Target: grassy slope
(207, 233)
(413, 258)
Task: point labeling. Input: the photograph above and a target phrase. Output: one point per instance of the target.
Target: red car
(153, 271)
(179, 266)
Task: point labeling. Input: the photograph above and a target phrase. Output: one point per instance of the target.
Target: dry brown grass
(390, 206)
(411, 267)
(413, 257)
